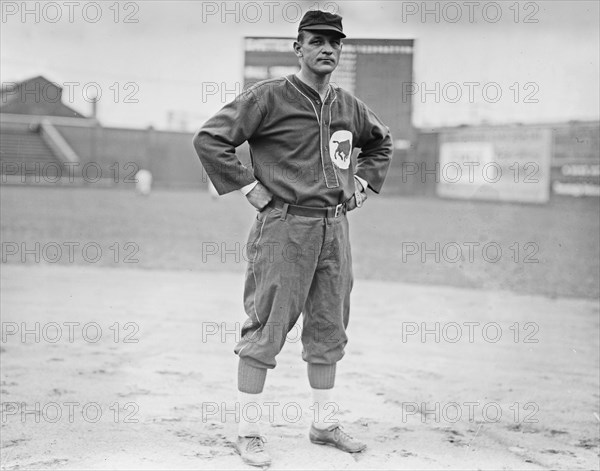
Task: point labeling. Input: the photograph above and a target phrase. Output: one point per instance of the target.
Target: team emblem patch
(340, 148)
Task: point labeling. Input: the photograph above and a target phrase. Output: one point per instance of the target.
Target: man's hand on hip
(259, 196)
(360, 196)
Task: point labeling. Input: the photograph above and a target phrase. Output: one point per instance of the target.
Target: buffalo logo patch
(340, 148)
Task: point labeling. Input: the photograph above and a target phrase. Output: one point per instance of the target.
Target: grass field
(552, 250)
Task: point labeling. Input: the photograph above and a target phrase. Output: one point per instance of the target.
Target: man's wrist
(362, 182)
(248, 188)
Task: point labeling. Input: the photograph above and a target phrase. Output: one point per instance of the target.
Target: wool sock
(250, 378)
(321, 376)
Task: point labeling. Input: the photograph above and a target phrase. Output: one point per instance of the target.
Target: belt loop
(284, 211)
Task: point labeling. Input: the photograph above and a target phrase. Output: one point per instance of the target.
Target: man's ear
(297, 49)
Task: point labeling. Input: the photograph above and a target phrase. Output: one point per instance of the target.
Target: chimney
(95, 107)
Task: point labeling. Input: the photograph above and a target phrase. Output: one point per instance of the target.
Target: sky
(155, 63)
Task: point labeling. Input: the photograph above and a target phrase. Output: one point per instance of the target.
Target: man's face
(320, 51)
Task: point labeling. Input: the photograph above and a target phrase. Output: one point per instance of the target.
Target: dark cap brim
(324, 28)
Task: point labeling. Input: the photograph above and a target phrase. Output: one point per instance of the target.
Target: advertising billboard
(501, 163)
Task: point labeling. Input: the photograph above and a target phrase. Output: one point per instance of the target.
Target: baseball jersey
(300, 145)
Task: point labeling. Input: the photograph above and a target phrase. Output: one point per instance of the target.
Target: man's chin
(326, 67)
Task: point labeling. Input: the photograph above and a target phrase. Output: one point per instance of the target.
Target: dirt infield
(474, 335)
(145, 374)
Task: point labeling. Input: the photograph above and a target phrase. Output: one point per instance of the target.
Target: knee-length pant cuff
(321, 376)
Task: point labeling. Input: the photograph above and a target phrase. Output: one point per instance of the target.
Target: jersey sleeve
(375, 142)
(218, 138)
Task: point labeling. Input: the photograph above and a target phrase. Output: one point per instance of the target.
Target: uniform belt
(309, 211)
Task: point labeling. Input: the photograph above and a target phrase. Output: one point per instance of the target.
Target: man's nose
(328, 48)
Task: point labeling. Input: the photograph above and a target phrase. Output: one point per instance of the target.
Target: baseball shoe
(252, 450)
(336, 437)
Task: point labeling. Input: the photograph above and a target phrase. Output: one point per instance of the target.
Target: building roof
(35, 96)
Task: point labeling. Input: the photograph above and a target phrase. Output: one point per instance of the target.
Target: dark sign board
(374, 70)
(576, 159)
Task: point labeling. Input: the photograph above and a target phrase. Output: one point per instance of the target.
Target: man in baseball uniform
(301, 131)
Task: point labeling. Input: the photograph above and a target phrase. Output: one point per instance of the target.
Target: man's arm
(377, 149)
(216, 141)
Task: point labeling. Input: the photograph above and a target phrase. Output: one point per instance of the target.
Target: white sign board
(500, 163)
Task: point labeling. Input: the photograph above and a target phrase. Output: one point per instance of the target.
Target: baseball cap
(317, 20)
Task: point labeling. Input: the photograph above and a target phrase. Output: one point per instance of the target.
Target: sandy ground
(151, 390)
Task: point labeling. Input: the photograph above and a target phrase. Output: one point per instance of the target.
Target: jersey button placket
(330, 175)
